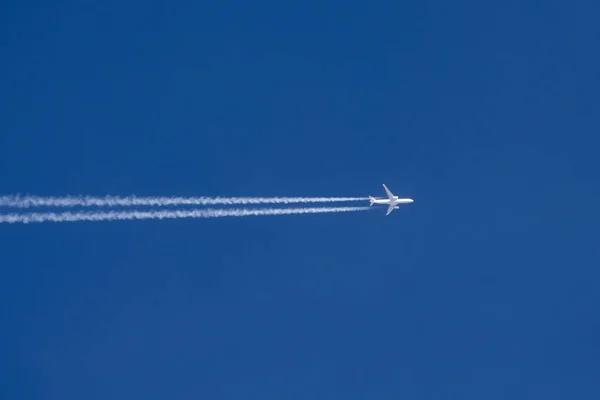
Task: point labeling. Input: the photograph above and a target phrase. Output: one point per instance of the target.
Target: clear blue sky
(486, 114)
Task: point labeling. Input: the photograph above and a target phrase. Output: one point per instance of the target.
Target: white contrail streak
(115, 201)
(163, 214)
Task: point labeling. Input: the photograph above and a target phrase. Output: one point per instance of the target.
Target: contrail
(116, 201)
(164, 214)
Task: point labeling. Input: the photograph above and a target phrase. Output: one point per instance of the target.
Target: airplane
(392, 200)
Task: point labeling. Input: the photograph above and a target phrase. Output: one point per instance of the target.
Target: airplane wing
(390, 209)
(390, 195)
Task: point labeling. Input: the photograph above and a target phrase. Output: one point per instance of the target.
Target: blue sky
(485, 114)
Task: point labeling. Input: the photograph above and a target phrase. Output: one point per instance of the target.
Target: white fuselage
(391, 201)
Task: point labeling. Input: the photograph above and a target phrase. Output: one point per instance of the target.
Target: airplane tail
(372, 200)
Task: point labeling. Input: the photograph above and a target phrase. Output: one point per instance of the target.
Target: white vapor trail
(164, 214)
(115, 201)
